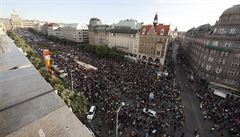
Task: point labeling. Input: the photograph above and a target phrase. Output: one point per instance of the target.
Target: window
(235, 64)
(208, 67)
(204, 57)
(232, 30)
(221, 61)
(215, 30)
(210, 59)
(215, 43)
(228, 81)
(213, 52)
(218, 70)
(224, 53)
(143, 31)
(237, 55)
(162, 32)
(207, 42)
(158, 52)
(221, 30)
(233, 72)
(227, 44)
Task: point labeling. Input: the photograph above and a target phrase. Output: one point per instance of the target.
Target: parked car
(150, 112)
(91, 112)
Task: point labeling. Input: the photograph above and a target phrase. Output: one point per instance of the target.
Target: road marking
(41, 133)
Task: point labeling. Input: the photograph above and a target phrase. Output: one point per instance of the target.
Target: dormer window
(162, 32)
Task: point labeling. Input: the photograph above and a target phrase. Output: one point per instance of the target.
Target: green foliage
(101, 51)
(44, 46)
(104, 51)
(78, 103)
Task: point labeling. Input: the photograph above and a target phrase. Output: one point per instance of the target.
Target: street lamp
(122, 104)
(71, 80)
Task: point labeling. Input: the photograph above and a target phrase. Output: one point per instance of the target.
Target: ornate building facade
(16, 22)
(153, 42)
(214, 51)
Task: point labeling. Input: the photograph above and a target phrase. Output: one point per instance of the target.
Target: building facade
(16, 22)
(214, 51)
(153, 42)
(98, 32)
(51, 29)
(125, 37)
(74, 32)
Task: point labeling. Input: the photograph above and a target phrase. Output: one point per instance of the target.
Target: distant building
(28, 24)
(74, 32)
(98, 33)
(214, 51)
(125, 36)
(94, 22)
(51, 29)
(16, 22)
(153, 42)
(38, 25)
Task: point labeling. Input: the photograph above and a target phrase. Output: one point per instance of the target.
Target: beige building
(27, 23)
(98, 33)
(125, 36)
(153, 43)
(16, 22)
(214, 51)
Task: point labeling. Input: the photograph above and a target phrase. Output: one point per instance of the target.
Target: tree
(101, 51)
(78, 103)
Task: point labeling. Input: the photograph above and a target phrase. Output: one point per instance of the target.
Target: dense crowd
(114, 82)
(224, 112)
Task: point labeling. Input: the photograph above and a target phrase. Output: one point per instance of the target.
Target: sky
(183, 14)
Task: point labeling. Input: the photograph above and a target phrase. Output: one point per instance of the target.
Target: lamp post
(71, 80)
(122, 104)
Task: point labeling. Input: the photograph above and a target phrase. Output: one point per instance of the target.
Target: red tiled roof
(157, 29)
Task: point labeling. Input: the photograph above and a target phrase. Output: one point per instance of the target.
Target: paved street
(193, 114)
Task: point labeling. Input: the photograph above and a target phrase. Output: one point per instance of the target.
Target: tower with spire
(155, 21)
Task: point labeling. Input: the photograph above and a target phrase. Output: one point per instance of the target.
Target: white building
(38, 25)
(73, 32)
(125, 36)
(51, 29)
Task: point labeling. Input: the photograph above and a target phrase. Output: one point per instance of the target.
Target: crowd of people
(114, 82)
(224, 112)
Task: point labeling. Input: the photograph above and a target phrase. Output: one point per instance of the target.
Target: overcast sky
(184, 14)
